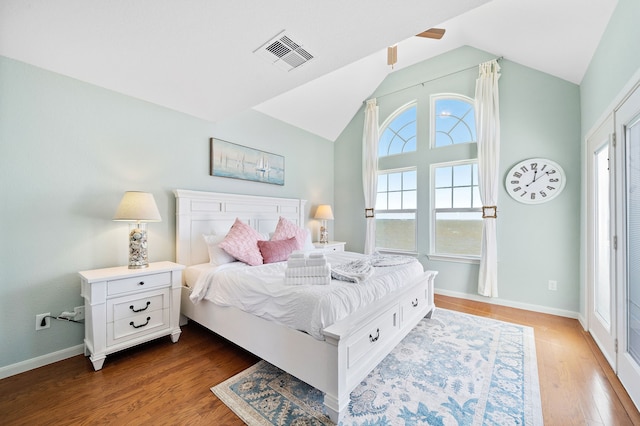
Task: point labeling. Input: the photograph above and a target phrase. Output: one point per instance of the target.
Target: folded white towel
(297, 255)
(307, 280)
(296, 263)
(314, 255)
(308, 271)
(316, 261)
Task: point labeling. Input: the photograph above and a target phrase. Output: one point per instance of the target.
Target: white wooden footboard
(353, 346)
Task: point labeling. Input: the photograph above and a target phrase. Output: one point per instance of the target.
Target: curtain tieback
(368, 213)
(489, 212)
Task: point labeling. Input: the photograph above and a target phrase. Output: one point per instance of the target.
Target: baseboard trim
(509, 303)
(41, 361)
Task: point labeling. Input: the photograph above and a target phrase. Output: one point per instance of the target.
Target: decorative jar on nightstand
(125, 307)
(331, 245)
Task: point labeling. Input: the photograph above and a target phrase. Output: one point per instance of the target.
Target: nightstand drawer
(139, 283)
(136, 326)
(127, 307)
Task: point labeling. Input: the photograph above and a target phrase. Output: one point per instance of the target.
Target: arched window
(398, 133)
(453, 120)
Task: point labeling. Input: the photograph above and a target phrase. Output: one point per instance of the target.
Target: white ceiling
(197, 56)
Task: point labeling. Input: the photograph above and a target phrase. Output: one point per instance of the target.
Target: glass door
(628, 265)
(600, 202)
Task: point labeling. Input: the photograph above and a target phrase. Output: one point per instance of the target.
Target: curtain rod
(422, 83)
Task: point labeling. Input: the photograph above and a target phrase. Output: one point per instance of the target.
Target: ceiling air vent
(283, 52)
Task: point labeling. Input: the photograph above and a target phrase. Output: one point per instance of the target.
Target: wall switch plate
(553, 285)
(40, 318)
(79, 310)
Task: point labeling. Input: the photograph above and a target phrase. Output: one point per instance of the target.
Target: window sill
(453, 258)
(391, 251)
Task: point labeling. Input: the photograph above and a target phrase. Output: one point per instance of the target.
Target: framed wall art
(241, 162)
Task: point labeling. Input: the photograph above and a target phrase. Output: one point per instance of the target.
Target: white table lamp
(138, 208)
(324, 213)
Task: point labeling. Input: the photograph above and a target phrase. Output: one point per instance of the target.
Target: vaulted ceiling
(198, 57)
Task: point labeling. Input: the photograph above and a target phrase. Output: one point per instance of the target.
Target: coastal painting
(241, 162)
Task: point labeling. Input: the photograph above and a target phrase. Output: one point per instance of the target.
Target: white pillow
(217, 256)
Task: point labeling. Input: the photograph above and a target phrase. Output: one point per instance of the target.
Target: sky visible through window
(455, 122)
(400, 135)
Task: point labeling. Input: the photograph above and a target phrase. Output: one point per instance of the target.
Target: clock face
(535, 181)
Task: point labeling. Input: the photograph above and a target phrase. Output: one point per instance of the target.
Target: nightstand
(331, 245)
(125, 307)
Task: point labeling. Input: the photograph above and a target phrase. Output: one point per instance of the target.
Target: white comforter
(260, 290)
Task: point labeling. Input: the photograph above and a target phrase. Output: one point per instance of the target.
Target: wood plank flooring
(161, 383)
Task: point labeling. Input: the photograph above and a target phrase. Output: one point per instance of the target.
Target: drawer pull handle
(373, 339)
(141, 309)
(141, 283)
(414, 303)
(141, 325)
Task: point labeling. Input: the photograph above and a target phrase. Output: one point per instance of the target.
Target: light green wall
(614, 68)
(68, 151)
(540, 117)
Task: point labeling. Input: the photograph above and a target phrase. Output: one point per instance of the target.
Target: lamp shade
(324, 212)
(137, 206)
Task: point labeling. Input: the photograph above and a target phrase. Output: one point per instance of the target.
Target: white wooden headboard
(200, 212)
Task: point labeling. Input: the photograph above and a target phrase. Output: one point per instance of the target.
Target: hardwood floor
(161, 383)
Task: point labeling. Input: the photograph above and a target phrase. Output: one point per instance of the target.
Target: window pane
(382, 183)
(462, 197)
(409, 180)
(395, 201)
(458, 233)
(454, 122)
(395, 181)
(462, 175)
(443, 198)
(409, 200)
(396, 231)
(443, 177)
(381, 201)
(400, 134)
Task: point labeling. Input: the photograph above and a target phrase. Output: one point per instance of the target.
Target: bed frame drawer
(412, 305)
(369, 338)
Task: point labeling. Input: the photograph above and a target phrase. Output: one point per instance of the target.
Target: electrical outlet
(79, 310)
(39, 320)
(553, 285)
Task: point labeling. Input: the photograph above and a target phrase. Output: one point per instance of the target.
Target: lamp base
(138, 254)
(324, 235)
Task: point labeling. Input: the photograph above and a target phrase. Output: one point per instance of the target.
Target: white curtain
(488, 132)
(370, 171)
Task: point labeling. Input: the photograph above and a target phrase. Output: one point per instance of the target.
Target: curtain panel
(370, 172)
(487, 107)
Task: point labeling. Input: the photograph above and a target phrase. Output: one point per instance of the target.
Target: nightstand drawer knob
(141, 309)
(141, 325)
(141, 283)
(414, 303)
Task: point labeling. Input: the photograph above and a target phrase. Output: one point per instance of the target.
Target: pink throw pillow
(286, 229)
(277, 251)
(242, 243)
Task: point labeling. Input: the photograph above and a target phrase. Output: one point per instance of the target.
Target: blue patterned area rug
(452, 369)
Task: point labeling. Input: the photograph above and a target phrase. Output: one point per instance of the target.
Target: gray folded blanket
(359, 270)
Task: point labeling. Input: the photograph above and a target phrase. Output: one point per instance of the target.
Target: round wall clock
(535, 181)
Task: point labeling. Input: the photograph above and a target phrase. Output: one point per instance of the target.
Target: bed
(345, 352)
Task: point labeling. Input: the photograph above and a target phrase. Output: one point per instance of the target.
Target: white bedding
(260, 290)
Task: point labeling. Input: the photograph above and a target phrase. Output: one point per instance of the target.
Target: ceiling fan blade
(436, 33)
